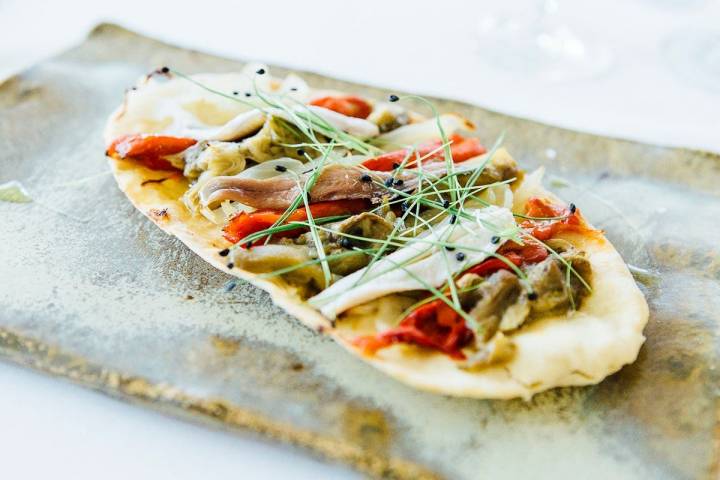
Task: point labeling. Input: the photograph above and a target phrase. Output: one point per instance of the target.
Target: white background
(48, 427)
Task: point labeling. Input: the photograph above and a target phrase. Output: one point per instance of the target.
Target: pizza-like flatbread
(514, 330)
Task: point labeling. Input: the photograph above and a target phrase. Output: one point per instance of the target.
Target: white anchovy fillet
(422, 132)
(248, 122)
(335, 182)
(354, 126)
(242, 125)
(387, 276)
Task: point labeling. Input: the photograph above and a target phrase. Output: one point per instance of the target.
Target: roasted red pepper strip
(149, 149)
(461, 148)
(349, 105)
(545, 229)
(492, 265)
(244, 224)
(465, 148)
(433, 325)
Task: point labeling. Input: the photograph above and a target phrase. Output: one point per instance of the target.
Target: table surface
(433, 49)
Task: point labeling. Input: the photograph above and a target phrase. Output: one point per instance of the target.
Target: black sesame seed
(293, 89)
(453, 218)
(164, 69)
(460, 256)
(532, 296)
(449, 248)
(224, 253)
(230, 265)
(446, 203)
(346, 243)
(281, 168)
(395, 165)
(301, 152)
(260, 71)
(399, 182)
(394, 98)
(236, 92)
(495, 239)
(248, 94)
(389, 182)
(572, 208)
(366, 178)
(133, 88)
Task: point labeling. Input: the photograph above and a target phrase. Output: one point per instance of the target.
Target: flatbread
(581, 348)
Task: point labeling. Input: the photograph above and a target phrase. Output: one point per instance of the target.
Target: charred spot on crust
(154, 180)
(156, 214)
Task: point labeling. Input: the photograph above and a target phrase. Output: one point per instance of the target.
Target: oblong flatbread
(580, 348)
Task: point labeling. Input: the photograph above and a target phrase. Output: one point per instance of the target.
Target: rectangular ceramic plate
(92, 291)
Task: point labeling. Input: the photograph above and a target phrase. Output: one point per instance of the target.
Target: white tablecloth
(49, 427)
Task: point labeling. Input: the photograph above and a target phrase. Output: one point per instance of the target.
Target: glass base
(694, 56)
(552, 53)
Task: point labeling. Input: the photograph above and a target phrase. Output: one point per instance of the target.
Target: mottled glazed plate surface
(92, 291)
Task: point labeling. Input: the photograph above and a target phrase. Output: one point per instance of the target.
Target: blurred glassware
(676, 4)
(542, 45)
(694, 55)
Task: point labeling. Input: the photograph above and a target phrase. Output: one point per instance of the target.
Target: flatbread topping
(434, 258)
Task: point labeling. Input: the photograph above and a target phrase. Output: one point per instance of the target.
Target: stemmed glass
(541, 45)
(694, 55)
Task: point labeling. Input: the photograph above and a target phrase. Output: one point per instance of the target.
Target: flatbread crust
(577, 349)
